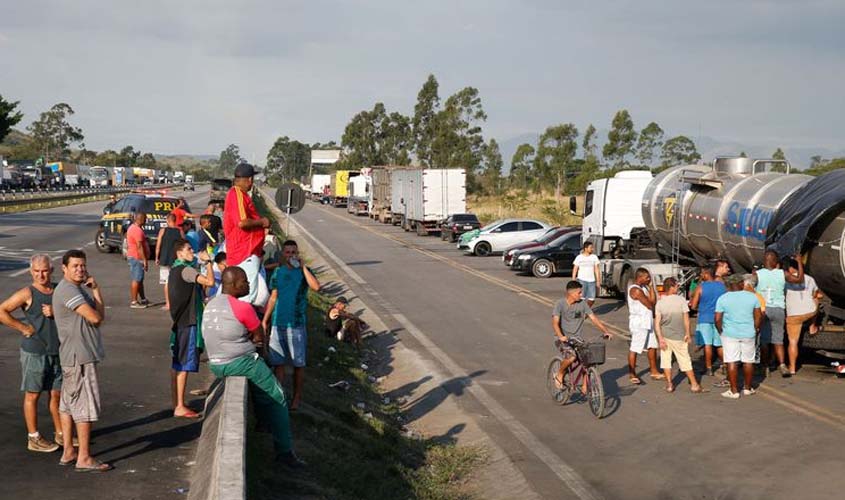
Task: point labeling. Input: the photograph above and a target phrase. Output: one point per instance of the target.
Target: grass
(353, 439)
(542, 206)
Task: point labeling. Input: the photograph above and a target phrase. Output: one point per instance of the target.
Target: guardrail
(19, 197)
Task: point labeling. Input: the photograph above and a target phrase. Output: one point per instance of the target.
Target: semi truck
(429, 195)
(178, 176)
(320, 185)
(359, 194)
(340, 186)
(734, 209)
(380, 194)
(76, 175)
(101, 176)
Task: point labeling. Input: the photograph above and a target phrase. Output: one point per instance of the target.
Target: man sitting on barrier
(232, 331)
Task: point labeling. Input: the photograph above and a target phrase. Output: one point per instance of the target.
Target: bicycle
(583, 368)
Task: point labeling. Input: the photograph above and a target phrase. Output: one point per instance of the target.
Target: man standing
(79, 313)
(231, 329)
(137, 254)
(671, 324)
(286, 308)
(771, 283)
(738, 319)
(40, 367)
(642, 297)
(181, 213)
(704, 298)
(242, 227)
(185, 304)
(586, 270)
(801, 307)
(166, 253)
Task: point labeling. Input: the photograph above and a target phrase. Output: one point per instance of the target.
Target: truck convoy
(359, 193)
(734, 209)
(320, 185)
(422, 197)
(340, 186)
(380, 194)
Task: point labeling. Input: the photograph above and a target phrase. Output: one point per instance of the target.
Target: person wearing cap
(342, 325)
(738, 320)
(243, 228)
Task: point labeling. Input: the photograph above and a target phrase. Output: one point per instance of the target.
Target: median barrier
(220, 469)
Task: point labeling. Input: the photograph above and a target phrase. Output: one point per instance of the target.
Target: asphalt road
(152, 451)
(490, 329)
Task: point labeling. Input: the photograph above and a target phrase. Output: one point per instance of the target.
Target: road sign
(290, 198)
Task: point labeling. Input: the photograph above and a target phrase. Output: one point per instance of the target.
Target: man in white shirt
(585, 269)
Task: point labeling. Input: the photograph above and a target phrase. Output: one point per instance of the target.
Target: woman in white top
(801, 307)
(586, 270)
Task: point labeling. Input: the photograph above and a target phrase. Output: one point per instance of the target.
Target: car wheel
(483, 249)
(542, 268)
(100, 242)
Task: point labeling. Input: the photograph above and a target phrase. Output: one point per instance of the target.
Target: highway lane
(152, 451)
(495, 327)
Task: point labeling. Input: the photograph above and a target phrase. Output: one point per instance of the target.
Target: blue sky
(192, 77)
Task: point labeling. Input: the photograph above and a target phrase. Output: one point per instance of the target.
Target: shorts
(184, 350)
(163, 274)
(774, 321)
(40, 372)
(794, 325)
(287, 348)
(588, 288)
(566, 350)
(739, 350)
(681, 351)
(642, 340)
(80, 393)
(136, 269)
(707, 334)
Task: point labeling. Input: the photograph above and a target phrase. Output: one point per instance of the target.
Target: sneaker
(137, 305)
(784, 371)
(58, 437)
(41, 445)
(290, 459)
(730, 395)
(749, 392)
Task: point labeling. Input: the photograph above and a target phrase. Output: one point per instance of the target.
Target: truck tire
(829, 341)
(100, 242)
(483, 249)
(543, 268)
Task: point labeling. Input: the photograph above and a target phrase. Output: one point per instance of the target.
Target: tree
(288, 160)
(328, 145)
(52, 133)
(229, 159)
(679, 150)
(492, 176)
(742, 154)
(128, 157)
(589, 142)
(651, 138)
(147, 160)
(778, 155)
(8, 116)
(85, 157)
(521, 164)
(425, 111)
(620, 139)
(458, 142)
(815, 161)
(555, 152)
(377, 138)
(107, 158)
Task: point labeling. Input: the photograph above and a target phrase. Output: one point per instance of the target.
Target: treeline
(52, 138)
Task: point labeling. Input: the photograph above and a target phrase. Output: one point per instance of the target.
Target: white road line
(20, 273)
(566, 473)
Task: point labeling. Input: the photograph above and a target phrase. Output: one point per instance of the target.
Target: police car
(118, 216)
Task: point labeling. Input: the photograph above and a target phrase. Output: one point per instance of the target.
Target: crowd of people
(742, 320)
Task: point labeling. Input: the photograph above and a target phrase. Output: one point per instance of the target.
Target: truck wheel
(542, 268)
(832, 341)
(483, 249)
(100, 242)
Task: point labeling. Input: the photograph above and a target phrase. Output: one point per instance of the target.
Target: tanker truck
(734, 209)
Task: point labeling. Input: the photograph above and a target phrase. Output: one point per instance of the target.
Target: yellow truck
(340, 186)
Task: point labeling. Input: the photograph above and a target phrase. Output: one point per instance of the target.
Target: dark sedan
(545, 261)
(455, 225)
(549, 238)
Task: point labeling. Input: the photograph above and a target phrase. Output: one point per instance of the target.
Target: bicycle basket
(592, 354)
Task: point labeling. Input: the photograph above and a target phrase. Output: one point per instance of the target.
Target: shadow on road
(436, 395)
(608, 307)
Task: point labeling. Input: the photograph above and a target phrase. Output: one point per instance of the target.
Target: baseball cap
(341, 300)
(244, 170)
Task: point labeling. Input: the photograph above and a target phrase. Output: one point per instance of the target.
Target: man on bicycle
(568, 321)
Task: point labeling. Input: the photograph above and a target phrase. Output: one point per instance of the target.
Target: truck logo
(743, 221)
(669, 209)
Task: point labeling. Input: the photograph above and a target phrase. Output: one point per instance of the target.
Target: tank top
(168, 241)
(710, 293)
(639, 316)
(771, 283)
(45, 340)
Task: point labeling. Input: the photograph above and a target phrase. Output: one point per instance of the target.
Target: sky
(192, 77)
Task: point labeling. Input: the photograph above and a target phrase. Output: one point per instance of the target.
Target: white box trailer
(359, 194)
(320, 185)
(432, 195)
(398, 194)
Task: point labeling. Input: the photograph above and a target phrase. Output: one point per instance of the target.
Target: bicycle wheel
(596, 392)
(560, 395)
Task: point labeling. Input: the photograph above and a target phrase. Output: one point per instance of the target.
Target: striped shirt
(80, 341)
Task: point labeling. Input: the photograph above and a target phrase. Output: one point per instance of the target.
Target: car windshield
(159, 205)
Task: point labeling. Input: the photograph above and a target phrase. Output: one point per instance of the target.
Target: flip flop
(190, 415)
(635, 380)
(97, 467)
(69, 462)
(701, 390)
(657, 377)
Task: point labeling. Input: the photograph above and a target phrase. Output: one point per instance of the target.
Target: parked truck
(101, 176)
(76, 175)
(359, 193)
(380, 194)
(429, 195)
(178, 176)
(734, 209)
(320, 186)
(340, 186)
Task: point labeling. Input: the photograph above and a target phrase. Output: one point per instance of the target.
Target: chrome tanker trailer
(735, 209)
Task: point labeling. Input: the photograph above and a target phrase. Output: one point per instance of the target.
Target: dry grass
(541, 206)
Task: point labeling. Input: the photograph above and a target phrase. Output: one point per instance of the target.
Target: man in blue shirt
(771, 284)
(738, 319)
(285, 317)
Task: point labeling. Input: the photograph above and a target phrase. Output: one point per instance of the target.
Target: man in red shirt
(137, 254)
(242, 227)
(181, 213)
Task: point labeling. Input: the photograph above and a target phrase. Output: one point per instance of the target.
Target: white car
(497, 237)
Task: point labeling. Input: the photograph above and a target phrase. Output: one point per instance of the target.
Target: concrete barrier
(220, 469)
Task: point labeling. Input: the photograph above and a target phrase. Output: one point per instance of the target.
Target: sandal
(657, 377)
(635, 380)
(701, 390)
(97, 467)
(189, 414)
(66, 463)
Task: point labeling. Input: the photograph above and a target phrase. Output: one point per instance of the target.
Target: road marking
(784, 399)
(580, 487)
(26, 269)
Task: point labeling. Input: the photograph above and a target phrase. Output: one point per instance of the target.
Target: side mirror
(573, 205)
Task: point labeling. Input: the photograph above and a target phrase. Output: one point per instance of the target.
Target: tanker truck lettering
(742, 221)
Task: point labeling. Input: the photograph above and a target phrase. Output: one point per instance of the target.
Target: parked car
(117, 217)
(509, 232)
(189, 186)
(554, 258)
(549, 238)
(452, 227)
